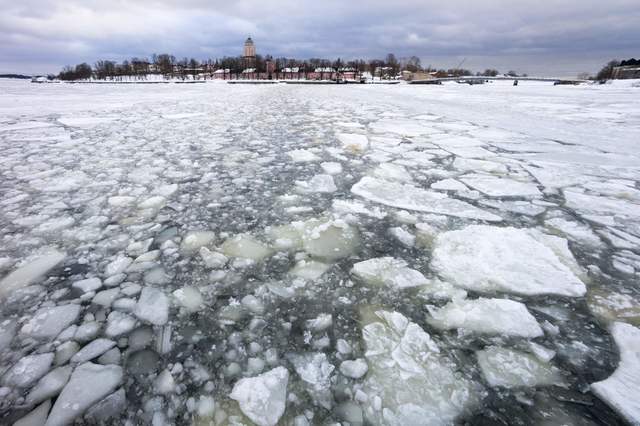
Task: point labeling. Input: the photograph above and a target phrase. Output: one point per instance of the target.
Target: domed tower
(249, 54)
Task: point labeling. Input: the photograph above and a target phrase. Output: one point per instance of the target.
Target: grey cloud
(549, 37)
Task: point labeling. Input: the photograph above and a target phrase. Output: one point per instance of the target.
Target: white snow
(263, 398)
(620, 390)
(489, 259)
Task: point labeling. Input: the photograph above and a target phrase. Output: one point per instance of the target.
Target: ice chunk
(29, 369)
(503, 367)
(302, 156)
(389, 171)
(89, 383)
(330, 240)
(609, 306)
(108, 408)
(153, 306)
(8, 329)
(120, 201)
(388, 271)
(621, 389)
(309, 269)
(117, 266)
(315, 371)
(494, 186)
(30, 272)
(263, 398)
(92, 350)
(318, 184)
(486, 316)
(85, 286)
(472, 165)
(409, 381)
(354, 143)
(194, 240)
(189, 298)
(247, 247)
(37, 416)
(410, 197)
(48, 322)
(405, 237)
(119, 323)
(489, 259)
(449, 185)
(354, 369)
(575, 231)
(164, 383)
(350, 206)
(213, 259)
(331, 168)
(49, 386)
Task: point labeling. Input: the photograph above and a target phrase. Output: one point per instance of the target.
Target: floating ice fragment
(27, 370)
(523, 261)
(621, 389)
(153, 306)
(89, 383)
(189, 298)
(30, 272)
(92, 350)
(409, 382)
(318, 184)
(309, 269)
(331, 167)
(245, 246)
(494, 186)
(263, 398)
(49, 386)
(354, 369)
(413, 198)
(330, 240)
(388, 271)
(503, 367)
(315, 371)
(354, 143)
(486, 316)
(48, 322)
(302, 156)
(194, 240)
(90, 284)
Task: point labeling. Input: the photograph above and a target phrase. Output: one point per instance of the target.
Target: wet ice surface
(306, 255)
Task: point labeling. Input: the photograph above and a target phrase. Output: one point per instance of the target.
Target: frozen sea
(216, 254)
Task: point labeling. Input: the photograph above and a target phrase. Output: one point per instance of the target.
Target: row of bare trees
(168, 66)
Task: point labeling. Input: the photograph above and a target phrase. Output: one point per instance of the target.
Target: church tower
(249, 54)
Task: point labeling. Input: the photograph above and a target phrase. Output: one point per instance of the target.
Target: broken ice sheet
(522, 261)
(409, 380)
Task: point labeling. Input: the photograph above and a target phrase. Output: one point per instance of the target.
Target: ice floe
(413, 198)
(486, 316)
(474, 258)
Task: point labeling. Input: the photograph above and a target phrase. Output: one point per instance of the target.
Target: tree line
(168, 66)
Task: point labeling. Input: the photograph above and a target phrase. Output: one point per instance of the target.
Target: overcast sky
(543, 37)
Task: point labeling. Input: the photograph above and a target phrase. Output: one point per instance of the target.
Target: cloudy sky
(543, 37)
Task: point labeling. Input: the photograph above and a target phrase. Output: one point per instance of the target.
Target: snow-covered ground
(279, 254)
